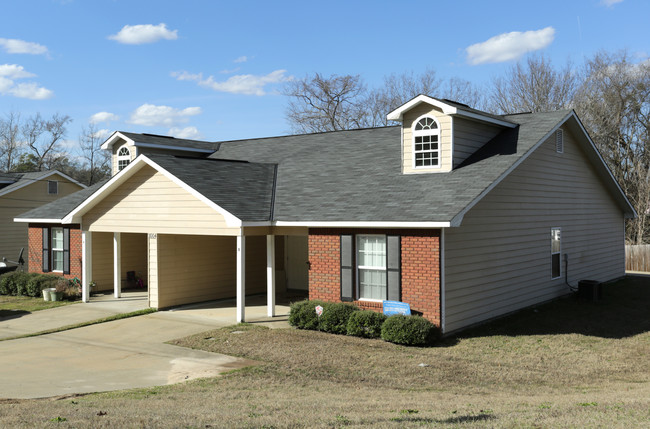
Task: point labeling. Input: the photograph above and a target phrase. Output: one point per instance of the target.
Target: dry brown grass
(566, 364)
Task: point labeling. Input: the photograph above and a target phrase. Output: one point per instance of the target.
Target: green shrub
(409, 330)
(302, 314)
(335, 317)
(38, 282)
(14, 283)
(366, 323)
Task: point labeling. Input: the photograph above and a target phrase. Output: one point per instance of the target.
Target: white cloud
(103, 117)
(239, 84)
(102, 134)
(509, 46)
(610, 3)
(241, 59)
(9, 73)
(152, 115)
(14, 71)
(191, 133)
(16, 46)
(141, 34)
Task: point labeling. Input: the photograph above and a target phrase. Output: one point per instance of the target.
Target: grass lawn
(565, 364)
(13, 305)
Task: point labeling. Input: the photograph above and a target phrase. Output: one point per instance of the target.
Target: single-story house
(462, 214)
(20, 192)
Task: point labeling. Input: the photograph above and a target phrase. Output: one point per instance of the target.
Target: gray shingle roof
(339, 176)
(244, 189)
(356, 175)
(153, 139)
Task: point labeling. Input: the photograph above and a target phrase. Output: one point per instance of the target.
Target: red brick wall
(420, 269)
(36, 249)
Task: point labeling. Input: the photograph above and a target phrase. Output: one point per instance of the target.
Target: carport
(195, 250)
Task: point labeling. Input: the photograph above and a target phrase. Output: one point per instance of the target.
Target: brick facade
(36, 249)
(420, 268)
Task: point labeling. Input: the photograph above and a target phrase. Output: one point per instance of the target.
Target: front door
(297, 265)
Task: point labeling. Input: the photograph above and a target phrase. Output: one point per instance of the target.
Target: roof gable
(26, 179)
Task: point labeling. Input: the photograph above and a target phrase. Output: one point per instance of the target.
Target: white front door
(297, 266)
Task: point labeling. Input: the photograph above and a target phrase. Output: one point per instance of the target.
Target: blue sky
(213, 69)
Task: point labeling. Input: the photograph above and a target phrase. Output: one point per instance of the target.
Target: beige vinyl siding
(134, 255)
(102, 261)
(498, 260)
(14, 204)
(202, 268)
(469, 136)
(150, 202)
(445, 139)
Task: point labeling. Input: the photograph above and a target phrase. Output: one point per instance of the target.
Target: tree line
(36, 144)
(610, 93)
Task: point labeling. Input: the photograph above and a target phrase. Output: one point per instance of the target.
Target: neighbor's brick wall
(36, 250)
(420, 269)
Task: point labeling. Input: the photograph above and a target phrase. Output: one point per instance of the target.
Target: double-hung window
(371, 266)
(556, 250)
(123, 158)
(57, 249)
(426, 143)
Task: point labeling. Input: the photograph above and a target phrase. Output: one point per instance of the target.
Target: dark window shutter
(66, 250)
(347, 269)
(393, 267)
(46, 250)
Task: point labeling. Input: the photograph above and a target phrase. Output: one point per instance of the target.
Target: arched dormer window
(123, 158)
(426, 143)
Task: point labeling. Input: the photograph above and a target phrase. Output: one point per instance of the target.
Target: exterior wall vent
(559, 141)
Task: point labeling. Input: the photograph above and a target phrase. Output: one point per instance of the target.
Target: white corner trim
(113, 138)
(442, 280)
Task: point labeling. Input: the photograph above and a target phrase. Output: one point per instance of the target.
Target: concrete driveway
(116, 355)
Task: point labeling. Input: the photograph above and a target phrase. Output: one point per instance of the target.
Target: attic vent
(559, 141)
(52, 187)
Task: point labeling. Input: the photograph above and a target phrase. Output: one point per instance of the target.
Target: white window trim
(421, 133)
(52, 250)
(553, 253)
(126, 158)
(364, 267)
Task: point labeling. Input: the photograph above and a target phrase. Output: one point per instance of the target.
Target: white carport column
(86, 264)
(117, 264)
(241, 277)
(270, 275)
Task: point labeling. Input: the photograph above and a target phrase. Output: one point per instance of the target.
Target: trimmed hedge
(409, 330)
(335, 317)
(366, 323)
(302, 314)
(29, 284)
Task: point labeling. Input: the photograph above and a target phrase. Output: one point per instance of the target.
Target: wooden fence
(637, 257)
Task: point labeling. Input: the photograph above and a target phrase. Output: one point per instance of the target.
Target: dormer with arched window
(426, 143)
(123, 158)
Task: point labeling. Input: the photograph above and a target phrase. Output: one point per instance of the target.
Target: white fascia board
(362, 224)
(447, 109)
(458, 219)
(179, 148)
(398, 114)
(113, 138)
(133, 167)
(30, 181)
(27, 220)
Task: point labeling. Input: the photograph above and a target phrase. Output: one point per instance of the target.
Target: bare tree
(319, 103)
(10, 142)
(43, 137)
(533, 86)
(614, 104)
(97, 159)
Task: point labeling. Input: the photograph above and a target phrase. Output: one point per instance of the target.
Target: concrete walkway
(123, 354)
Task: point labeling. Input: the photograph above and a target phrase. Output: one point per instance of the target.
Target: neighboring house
(20, 192)
(464, 215)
